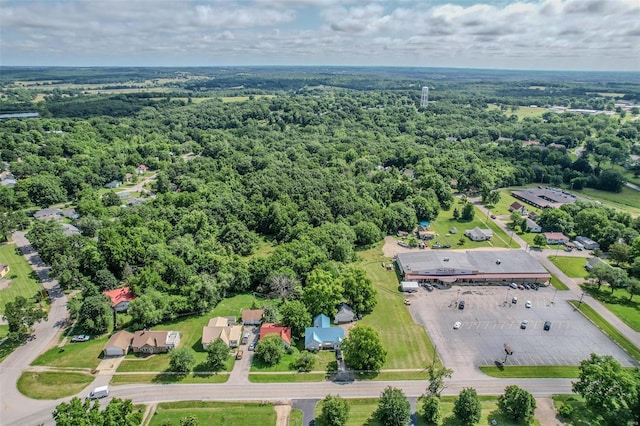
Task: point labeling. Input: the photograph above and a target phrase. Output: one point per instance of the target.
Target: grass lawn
(324, 360)
(506, 199)
(582, 415)
(607, 328)
(573, 267)
(618, 303)
(287, 378)
(296, 417)
(125, 379)
(52, 385)
(244, 98)
(258, 366)
(360, 413)
(407, 344)
(215, 413)
(134, 363)
(4, 330)
(78, 355)
(627, 200)
(527, 371)
(489, 412)
(557, 284)
(521, 112)
(20, 275)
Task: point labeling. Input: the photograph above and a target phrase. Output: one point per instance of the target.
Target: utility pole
(581, 296)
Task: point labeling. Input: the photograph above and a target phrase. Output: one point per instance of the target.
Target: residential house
(152, 342)
(219, 328)
(48, 214)
(4, 270)
(120, 298)
(593, 261)
(478, 234)
(555, 238)
(70, 213)
(588, 243)
(410, 173)
(532, 226)
(279, 329)
(409, 286)
(113, 184)
(252, 316)
(69, 230)
(516, 206)
(424, 233)
(345, 314)
(322, 335)
(118, 344)
(8, 180)
(141, 169)
(128, 177)
(533, 216)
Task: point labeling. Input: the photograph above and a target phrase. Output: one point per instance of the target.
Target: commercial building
(545, 197)
(472, 267)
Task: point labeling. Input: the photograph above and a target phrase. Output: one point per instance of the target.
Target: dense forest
(317, 164)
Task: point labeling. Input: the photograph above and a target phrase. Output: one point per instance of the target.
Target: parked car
(520, 286)
(547, 325)
(461, 304)
(80, 338)
(457, 325)
(513, 285)
(528, 304)
(446, 246)
(252, 346)
(436, 246)
(428, 287)
(239, 354)
(526, 286)
(493, 216)
(99, 392)
(524, 324)
(515, 299)
(403, 244)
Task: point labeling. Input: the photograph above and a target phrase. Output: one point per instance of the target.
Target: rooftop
(118, 295)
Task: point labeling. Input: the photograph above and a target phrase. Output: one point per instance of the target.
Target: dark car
(461, 304)
(446, 246)
(547, 325)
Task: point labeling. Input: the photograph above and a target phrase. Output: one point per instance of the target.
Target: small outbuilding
(409, 286)
(4, 270)
(345, 314)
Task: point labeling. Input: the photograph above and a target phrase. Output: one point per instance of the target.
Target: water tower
(424, 100)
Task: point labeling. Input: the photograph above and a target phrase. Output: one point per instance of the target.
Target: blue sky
(535, 34)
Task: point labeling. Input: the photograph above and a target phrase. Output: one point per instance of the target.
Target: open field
(628, 199)
(244, 98)
(573, 267)
(407, 343)
(52, 385)
(20, 277)
(162, 378)
(618, 302)
(607, 329)
(521, 112)
(215, 413)
(76, 355)
(557, 284)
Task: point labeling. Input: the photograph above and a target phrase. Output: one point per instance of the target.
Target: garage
(118, 344)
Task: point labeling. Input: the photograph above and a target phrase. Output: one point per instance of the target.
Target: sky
(602, 35)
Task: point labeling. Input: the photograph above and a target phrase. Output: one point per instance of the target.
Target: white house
(478, 234)
(532, 226)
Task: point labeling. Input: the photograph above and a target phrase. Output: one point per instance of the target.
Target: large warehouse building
(472, 267)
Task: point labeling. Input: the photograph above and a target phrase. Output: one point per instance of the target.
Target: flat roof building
(472, 267)
(545, 197)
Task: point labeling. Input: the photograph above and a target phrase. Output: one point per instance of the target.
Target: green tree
(21, 314)
(467, 407)
(270, 349)
(367, 233)
(271, 313)
(437, 375)
(335, 411)
(431, 410)
(609, 390)
(539, 240)
(83, 413)
(599, 273)
(182, 360)
(363, 350)
(517, 403)
(516, 219)
(304, 362)
(44, 190)
(110, 199)
(322, 293)
(295, 315)
(633, 288)
(555, 220)
(358, 290)
(620, 253)
(393, 407)
(96, 315)
(217, 355)
(456, 213)
(189, 420)
(468, 212)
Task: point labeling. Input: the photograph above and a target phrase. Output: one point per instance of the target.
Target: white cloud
(324, 31)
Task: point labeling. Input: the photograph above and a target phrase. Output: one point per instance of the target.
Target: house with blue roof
(322, 335)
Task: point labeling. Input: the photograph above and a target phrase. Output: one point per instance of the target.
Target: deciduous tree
(295, 315)
(517, 404)
(96, 315)
(182, 359)
(358, 290)
(431, 410)
(217, 355)
(322, 293)
(270, 349)
(437, 375)
(335, 411)
(363, 350)
(467, 407)
(393, 407)
(21, 314)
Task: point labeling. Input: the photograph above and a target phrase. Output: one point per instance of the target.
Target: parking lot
(490, 319)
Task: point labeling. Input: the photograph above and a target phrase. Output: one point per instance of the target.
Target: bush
(566, 411)
(304, 362)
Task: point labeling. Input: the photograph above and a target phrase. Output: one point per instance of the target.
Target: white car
(80, 338)
(457, 325)
(528, 304)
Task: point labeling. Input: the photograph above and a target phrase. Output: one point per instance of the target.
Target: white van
(99, 392)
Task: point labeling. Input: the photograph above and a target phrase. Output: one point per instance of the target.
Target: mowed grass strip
(528, 371)
(619, 303)
(287, 378)
(573, 267)
(407, 343)
(75, 355)
(163, 378)
(22, 283)
(607, 328)
(361, 412)
(489, 412)
(52, 385)
(557, 284)
(296, 417)
(214, 413)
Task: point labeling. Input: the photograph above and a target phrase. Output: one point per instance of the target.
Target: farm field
(20, 277)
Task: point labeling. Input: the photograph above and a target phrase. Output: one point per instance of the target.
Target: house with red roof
(279, 329)
(120, 298)
(556, 238)
(141, 169)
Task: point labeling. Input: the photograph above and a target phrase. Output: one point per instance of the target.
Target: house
(409, 286)
(424, 233)
(345, 314)
(555, 237)
(410, 173)
(516, 206)
(279, 329)
(113, 184)
(128, 177)
(153, 342)
(478, 234)
(219, 328)
(70, 213)
(141, 169)
(533, 216)
(322, 335)
(69, 230)
(4, 270)
(402, 234)
(48, 214)
(8, 180)
(588, 243)
(532, 226)
(118, 344)
(120, 298)
(593, 261)
(252, 316)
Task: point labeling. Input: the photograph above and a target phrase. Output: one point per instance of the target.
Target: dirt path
(546, 413)
(282, 414)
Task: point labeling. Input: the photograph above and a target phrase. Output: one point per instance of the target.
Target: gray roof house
(593, 261)
(345, 314)
(532, 226)
(113, 184)
(478, 234)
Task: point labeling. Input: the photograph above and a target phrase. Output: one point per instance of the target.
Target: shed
(118, 344)
(345, 314)
(409, 286)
